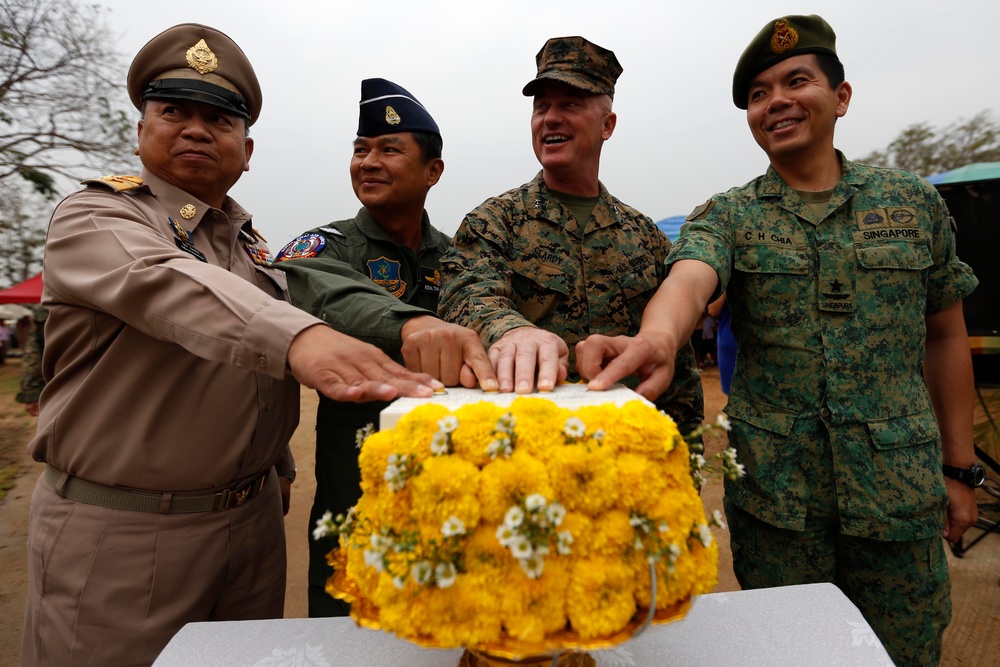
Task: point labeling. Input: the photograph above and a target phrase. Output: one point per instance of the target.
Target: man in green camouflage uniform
(543, 266)
(846, 305)
(32, 381)
(389, 243)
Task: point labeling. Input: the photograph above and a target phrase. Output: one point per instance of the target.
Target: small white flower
(374, 559)
(514, 517)
(718, 519)
(398, 582)
(635, 521)
(697, 461)
(541, 550)
(392, 459)
(564, 538)
(535, 501)
(453, 526)
(422, 572)
(532, 566)
(324, 526)
(638, 546)
(445, 574)
(556, 513)
(663, 527)
(440, 444)
(723, 421)
(598, 435)
(448, 423)
(704, 535)
(505, 534)
(575, 428)
(521, 547)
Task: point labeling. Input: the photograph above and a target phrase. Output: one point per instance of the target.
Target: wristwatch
(974, 475)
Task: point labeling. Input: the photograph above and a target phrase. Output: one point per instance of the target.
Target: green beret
(778, 40)
(195, 62)
(577, 63)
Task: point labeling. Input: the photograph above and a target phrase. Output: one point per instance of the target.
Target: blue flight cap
(387, 108)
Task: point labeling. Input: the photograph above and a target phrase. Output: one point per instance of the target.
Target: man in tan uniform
(172, 357)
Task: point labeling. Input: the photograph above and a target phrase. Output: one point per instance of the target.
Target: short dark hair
(430, 145)
(832, 67)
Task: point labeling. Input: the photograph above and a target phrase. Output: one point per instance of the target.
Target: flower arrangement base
(480, 659)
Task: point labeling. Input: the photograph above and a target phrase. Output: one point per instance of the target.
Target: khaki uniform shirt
(829, 313)
(522, 259)
(166, 358)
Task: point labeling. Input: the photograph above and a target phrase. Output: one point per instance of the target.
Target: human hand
(31, 408)
(285, 485)
(604, 360)
(521, 352)
(346, 369)
(449, 352)
(962, 509)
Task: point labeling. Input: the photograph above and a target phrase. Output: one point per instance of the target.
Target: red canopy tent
(30, 291)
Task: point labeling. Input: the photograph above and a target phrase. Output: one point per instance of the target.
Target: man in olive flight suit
(853, 379)
(397, 159)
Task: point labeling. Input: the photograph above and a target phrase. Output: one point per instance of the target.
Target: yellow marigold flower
(600, 598)
(476, 423)
(395, 510)
(505, 482)
(642, 482)
(483, 553)
(581, 527)
(642, 429)
(415, 430)
(462, 615)
(539, 426)
(602, 417)
(532, 608)
(585, 478)
(447, 486)
(373, 459)
(612, 536)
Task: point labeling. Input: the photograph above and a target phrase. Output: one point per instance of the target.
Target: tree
(922, 150)
(22, 232)
(60, 92)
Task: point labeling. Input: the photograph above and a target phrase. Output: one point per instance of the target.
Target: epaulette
(700, 211)
(117, 183)
(333, 231)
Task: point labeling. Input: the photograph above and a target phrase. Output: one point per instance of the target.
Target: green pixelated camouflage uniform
(32, 381)
(830, 412)
(521, 259)
(410, 288)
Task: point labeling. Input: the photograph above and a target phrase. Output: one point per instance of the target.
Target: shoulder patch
(701, 211)
(303, 247)
(117, 183)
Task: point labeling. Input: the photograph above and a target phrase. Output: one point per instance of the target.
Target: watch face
(977, 475)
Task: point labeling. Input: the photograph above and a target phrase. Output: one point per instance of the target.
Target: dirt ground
(973, 639)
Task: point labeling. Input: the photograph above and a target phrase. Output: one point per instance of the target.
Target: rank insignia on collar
(188, 211)
(391, 116)
(785, 37)
(202, 59)
(385, 273)
(303, 247)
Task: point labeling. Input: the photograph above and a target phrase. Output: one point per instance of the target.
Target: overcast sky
(679, 138)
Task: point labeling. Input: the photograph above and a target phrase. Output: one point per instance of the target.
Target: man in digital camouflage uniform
(32, 381)
(542, 266)
(846, 300)
(389, 243)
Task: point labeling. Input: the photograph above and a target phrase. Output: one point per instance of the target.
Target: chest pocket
(637, 279)
(272, 281)
(892, 282)
(538, 288)
(776, 284)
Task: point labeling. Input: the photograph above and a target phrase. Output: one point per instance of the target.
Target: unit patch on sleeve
(303, 247)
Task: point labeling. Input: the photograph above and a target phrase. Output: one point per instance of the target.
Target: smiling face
(568, 130)
(197, 147)
(388, 172)
(792, 110)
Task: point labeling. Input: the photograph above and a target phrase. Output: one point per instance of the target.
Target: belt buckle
(230, 498)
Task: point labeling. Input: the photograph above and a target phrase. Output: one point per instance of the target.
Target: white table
(812, 625)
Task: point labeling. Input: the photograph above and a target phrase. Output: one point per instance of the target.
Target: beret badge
(785, 37)
(391, 116)
(201, 58)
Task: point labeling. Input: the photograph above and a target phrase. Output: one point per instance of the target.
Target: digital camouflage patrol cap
(578, 63)
(780, 39)
(195, 62)
(387, 108)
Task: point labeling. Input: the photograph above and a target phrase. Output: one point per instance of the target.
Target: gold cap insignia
(188, 211)
(785, 37)
(391, 116)
(201, 58)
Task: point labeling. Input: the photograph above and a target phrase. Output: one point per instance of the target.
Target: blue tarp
(671, 226)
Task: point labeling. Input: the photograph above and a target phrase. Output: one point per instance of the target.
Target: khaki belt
(80, 490)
